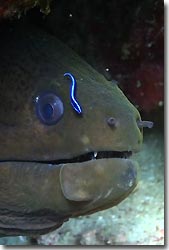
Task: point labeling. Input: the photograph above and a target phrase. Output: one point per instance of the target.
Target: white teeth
(95, 154)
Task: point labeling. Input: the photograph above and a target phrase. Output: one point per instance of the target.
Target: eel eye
(49, 108)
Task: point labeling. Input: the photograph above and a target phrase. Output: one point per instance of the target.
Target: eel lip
(103, 180)
(100, 177)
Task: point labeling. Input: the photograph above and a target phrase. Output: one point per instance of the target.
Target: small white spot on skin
(107, 69)
(82, 194)
(118, 185)
(85, 139)
(90, 108)
(130, 183)
(160, 104)
(126, 185)
(70, 15)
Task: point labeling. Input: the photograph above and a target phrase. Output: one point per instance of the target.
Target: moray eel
(75, 165)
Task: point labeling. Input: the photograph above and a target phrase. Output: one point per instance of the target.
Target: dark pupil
(47, 111)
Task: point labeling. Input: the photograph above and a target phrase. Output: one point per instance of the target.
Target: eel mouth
(94, 155)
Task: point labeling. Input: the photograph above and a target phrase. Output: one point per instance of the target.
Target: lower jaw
(67, 190)
(98, 180)
(102, 179)
(79, 181)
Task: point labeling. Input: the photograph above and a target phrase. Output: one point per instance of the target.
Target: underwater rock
(12, 8)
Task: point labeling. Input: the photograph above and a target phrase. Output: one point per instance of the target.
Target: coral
(10, 8)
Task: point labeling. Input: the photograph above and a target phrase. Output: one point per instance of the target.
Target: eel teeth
(95, 154)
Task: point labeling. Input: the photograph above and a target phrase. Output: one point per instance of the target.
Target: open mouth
(92, 156)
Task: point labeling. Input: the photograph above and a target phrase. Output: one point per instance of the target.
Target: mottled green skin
(37, 197)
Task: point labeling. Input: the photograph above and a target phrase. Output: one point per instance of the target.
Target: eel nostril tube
(112, 122)
(145, 124)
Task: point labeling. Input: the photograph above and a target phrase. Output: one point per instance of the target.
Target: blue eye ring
(49, 108)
